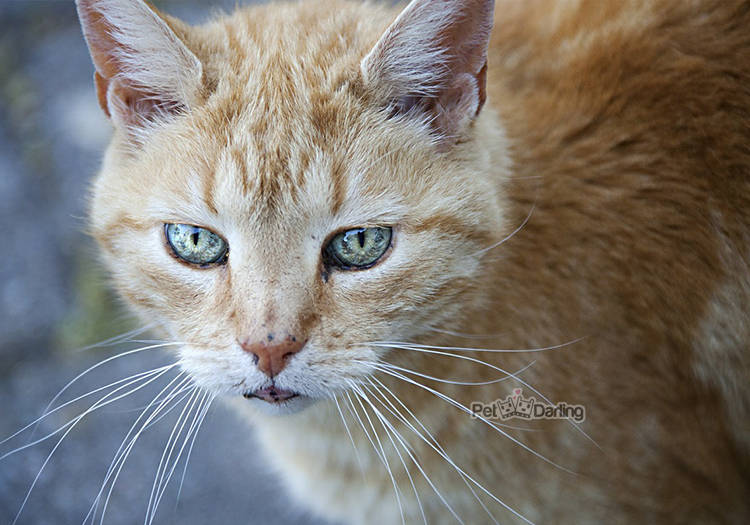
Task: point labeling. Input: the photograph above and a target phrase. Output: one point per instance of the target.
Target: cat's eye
(196, 245)
(359, 248)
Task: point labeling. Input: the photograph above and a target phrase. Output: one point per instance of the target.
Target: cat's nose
(271, 354)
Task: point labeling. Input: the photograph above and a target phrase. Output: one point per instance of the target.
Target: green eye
(359, 248)
(196, 245)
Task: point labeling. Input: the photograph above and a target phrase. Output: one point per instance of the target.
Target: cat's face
(279, 157)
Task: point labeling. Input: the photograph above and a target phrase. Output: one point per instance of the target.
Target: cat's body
(610, 170)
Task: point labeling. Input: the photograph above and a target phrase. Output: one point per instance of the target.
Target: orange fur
(615, 133)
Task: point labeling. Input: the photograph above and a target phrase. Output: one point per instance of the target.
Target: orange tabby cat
(396, 237)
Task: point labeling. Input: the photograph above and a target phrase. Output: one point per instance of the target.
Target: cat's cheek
(419, 284)
(320, 373)
(219, 371)
(185, 305)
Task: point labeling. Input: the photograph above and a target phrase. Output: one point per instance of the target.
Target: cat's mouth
(271, 394)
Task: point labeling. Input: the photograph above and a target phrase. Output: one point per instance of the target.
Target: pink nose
(272, 356)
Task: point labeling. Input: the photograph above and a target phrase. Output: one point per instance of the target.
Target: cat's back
(661, 87)
(630, 124)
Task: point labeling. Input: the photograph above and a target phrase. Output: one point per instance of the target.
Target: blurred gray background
(54, 301)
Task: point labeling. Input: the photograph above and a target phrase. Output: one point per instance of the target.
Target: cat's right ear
(431, 63)
(143, 70)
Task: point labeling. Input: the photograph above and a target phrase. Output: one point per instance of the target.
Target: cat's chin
(288, 407)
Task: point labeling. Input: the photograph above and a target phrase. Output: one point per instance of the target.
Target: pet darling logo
(515, 405)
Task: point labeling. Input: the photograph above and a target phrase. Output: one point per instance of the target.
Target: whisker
(439, 448)
(188, 434)
(163, 462)
(131, 380)
(389, 430)
(509, 236)
(192, 442)
(408, 371)
(427, 350)
(409, 346)
(396, 490)
(352, 408)
(119, 461)
(463, 408)
(351, 438)
(115, 340)
(440, 451)
(379, 159)
(461, 334)
(103, 362)
(450, 381)
(123, 452)
(403, 419)
(72, 401)
(180, 397)
(79, 418)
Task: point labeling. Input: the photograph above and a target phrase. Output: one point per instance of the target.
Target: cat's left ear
(143, 69)
(432, 63)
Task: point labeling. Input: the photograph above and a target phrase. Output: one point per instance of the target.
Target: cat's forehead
(265, 170)
(277, 59)
(285, 106)
(273, 181)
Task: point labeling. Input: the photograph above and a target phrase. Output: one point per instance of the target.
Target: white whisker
(437, 447)
(188, 434)
(118, 339)
(408, 371)
(359, 395)
(409, 346)
(463, 408)
(351, 438)
(520, 381)
(103, 362)
(463, 335)
(449, 381)
(163, 462)
(353, 409)
(389, 431)
(100, 403)
(439, 450)
(132, 380)
(192, 442)
(92, 392)
(509, 236)
(122, 453)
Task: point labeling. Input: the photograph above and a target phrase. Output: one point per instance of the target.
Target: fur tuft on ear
(432, 61)
(143, 69)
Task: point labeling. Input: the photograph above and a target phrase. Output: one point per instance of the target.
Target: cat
(358, 219)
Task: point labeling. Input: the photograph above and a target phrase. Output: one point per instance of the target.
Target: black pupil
(196, 236)
(361, 238)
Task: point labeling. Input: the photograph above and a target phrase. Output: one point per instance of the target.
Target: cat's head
(290, 184)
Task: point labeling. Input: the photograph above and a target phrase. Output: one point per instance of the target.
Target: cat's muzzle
(271, 394)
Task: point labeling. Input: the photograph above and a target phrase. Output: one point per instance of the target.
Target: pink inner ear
(102, 88)
(105, 52)
(433, 59)
(134, 107)
(482, 87)
(468, 35)
(142, 67)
